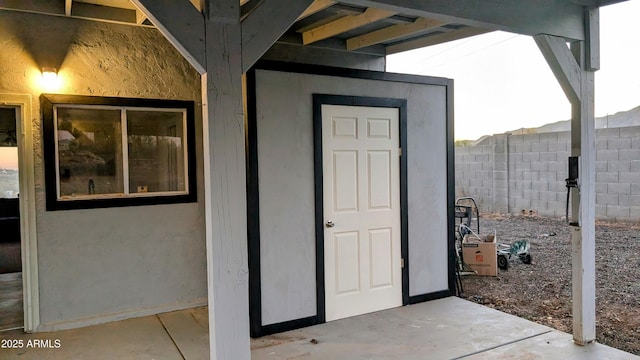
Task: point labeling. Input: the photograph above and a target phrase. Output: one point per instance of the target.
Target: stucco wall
(115, 262)
(286, 183)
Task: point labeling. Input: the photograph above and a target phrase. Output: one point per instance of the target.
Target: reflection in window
(89, 152)
(93, 161)
(156, 151)
(9, 185)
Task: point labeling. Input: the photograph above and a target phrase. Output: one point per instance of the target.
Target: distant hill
(619, 119)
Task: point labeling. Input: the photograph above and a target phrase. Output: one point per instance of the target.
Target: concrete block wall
(538, 164)
(514, 173)
(474, 173)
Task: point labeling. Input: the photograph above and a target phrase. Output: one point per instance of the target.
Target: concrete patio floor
(449, 328)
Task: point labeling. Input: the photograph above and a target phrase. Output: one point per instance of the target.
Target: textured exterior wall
(115, 262)
(537, 167)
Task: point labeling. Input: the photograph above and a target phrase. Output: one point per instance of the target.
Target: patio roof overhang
(363, 26)
(223, 38)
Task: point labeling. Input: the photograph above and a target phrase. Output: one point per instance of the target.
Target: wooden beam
(306, 25)
(247, 7)
(36, 6)
(76, 9)
(264, 26)
(100, 12)
(199, 3)
(562, 63)
(140, 17)
(392, 33)
(182, 24)
(399, 19)
(333, 44)
(224, 12)
(123, 4)
(315, 7)
(67, 7)
(344, 24)
(436, 39)
(592, 21)
(554, 17)
(593, 3)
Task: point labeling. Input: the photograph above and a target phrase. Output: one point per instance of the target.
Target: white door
(361, 180)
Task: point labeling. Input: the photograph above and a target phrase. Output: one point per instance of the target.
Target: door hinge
(399, 151)
(402, 263)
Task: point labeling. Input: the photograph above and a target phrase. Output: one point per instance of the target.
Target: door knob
(330, 224)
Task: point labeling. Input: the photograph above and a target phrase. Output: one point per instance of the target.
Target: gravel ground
(541, 291)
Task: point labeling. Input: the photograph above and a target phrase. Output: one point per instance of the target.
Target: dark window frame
(47, 103)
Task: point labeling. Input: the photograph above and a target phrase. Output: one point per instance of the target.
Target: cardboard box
(480, 254)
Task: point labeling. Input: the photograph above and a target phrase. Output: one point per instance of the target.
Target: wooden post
(225, 190)
(576, 78)
(583, 243)
(213, 43)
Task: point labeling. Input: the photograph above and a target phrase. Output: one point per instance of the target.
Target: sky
(8, 158)
(502, 82)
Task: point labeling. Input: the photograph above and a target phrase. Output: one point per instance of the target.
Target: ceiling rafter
(67, 7)
(329, 15)
(344, 24)
(315, 7)
(140, 17)
(86, 10)
(333, 44)
(394, 32)
(436, 39)
(364, 25)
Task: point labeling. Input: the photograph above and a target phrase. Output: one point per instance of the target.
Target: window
(103, 152)
(9, 182)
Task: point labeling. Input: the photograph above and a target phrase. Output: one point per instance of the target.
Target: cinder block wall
(474, 172)
(511, 173)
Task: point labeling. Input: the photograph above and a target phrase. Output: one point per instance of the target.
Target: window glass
(89, 152)
(104, 151)
(156, 151)
(9, 185)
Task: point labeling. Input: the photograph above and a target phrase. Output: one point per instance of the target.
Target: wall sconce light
(49, 73)
(50, 79)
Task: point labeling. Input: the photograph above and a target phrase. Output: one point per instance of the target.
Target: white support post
(214, 44)
(225, 189)
(583, 241)
(576, 78)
